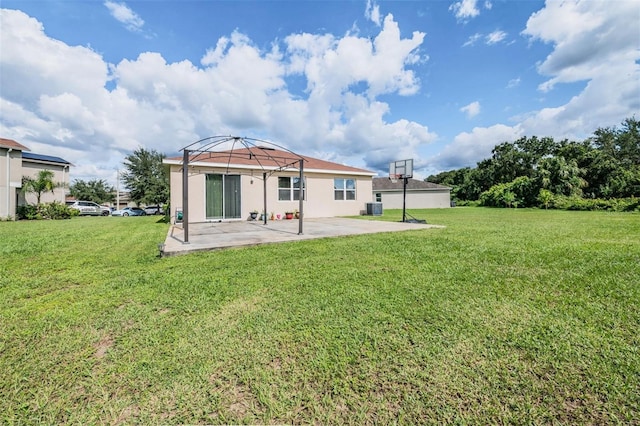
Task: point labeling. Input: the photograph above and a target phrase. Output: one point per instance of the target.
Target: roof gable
(11, 144)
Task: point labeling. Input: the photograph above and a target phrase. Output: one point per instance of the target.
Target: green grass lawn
(504, 316)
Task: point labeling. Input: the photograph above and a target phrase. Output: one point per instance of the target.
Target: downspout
(8, 180)
(64, 185)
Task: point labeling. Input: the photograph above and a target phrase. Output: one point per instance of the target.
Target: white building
(420, 194)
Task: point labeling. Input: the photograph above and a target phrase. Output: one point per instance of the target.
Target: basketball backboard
(401, 169)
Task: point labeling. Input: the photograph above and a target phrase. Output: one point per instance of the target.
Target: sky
(361, 83)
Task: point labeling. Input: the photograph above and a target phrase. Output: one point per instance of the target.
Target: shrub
(54, 210)
(515, 193)
(562, 202)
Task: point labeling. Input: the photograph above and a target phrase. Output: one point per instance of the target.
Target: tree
(560, 177)
(96, 190)
(545, 197)
(42, 183)
(145, 177)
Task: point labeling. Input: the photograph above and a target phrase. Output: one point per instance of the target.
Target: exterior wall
(60, 175)
(319, 200)
(11, 163)
(431, 199)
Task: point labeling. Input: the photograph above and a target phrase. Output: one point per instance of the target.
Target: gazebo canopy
(266, 156)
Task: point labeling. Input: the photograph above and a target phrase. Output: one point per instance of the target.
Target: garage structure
(420, 194)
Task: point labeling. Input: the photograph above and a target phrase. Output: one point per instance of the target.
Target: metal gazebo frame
(255, 148)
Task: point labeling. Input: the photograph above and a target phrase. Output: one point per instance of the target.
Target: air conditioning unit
(374, 209)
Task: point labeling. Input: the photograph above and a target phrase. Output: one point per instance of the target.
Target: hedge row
(55, 210)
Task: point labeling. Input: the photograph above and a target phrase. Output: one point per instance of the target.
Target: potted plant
(262, 215)
(288, 215)
(253, 214)
(273, 216)
(296, 214)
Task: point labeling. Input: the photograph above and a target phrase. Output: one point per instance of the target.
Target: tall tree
(96, 190)
(145, 177)
(561, 177)
(42, 183)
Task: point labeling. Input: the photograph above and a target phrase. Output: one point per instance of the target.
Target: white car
(129, 211)
(87, 208)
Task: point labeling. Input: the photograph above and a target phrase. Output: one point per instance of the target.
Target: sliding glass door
(222, 194)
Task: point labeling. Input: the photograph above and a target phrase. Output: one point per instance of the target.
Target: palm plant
(42, 183)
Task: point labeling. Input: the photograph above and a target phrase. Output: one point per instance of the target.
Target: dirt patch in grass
(103, 346)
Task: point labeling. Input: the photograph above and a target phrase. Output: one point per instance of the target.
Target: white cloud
(472, 109)
(495, 37)
(515, 82)
(589, 38)
(472, 40)
(468, 148)
(60, 101)
(372, 12)
(465, 9)
(123, 14)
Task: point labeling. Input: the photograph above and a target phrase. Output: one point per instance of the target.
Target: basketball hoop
(394, 178)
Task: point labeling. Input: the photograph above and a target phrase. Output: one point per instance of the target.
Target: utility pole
(118, 189)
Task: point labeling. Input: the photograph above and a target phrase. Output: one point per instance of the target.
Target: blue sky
(356, 82)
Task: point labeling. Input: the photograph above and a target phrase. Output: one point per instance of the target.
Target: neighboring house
(16, 162)
(420, 194)
(224, 186)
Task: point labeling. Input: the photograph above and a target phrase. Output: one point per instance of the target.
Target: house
(420, 194)
(16, 162)
(227, 185)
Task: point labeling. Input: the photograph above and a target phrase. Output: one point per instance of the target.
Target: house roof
(43, 158)
(385, 184)
(10, 143)
(265, 159)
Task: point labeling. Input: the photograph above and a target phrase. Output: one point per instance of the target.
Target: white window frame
(341, 186)
(291, 189)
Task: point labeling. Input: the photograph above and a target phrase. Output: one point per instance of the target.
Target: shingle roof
(10, 143)
(40, 157)
(268, 158)
(385, 184)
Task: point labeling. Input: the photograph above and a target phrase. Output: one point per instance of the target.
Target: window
(289, 189)
(378, 197)
(344, 189)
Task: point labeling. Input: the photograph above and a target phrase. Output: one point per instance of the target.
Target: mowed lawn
(504, 316)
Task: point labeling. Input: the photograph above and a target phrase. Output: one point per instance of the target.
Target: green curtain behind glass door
(213, 196)
(231, 197)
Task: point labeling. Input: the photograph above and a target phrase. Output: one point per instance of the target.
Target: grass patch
(504, 316)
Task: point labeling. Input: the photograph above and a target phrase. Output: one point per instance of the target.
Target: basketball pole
(404, 199)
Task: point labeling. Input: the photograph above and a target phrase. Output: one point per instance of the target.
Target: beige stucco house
(16, 161)
(222, 186)
(420, 194)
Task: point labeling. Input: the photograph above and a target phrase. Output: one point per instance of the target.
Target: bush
(562, 202)
(55, 210)
(518, 192)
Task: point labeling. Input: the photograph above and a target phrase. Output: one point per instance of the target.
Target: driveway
(221, 235)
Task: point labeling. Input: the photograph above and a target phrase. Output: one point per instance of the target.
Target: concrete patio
(221, 235)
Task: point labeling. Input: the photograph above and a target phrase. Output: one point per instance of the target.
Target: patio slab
(221, 235)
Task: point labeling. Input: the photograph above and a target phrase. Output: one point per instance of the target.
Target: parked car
(86, 208)
(154, 210)
(129, 211)
(106, 210)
